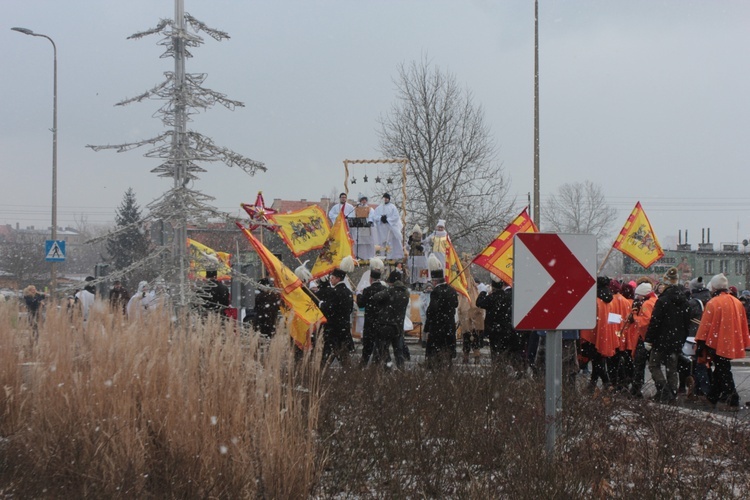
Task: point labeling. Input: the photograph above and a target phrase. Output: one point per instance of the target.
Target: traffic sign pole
(552, 386)
(553, 290)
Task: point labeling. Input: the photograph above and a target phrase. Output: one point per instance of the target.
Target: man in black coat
(372, 309)
(337, 305)
(666, 335)
(394, 301)
(215, 294)
(440, 323)
(267, 304)
(498, 322)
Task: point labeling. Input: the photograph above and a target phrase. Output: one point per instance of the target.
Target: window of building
(739, 267)
(724, 266)
(708, 266)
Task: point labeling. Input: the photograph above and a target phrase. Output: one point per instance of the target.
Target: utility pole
(536, 114)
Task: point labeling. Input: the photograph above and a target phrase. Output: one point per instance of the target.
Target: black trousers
(722, 382)
(639, 369)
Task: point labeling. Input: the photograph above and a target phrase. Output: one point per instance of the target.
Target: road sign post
(554, 290)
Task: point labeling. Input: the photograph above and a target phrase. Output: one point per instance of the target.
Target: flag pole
(605, 260)
(459, 274)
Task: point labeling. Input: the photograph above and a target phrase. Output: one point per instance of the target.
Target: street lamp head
(25, 31)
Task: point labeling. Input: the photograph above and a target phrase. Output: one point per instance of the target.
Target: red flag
(497, 258)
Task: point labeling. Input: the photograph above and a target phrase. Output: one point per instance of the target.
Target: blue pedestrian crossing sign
(54, 250)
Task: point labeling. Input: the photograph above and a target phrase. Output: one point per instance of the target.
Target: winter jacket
(373, 311)
(267, 304)
(394, 302)
(441, 319)
(622, 306)
(602, 336)
(724, 327)
(337, 305)
(636, 331)
(670, 321)
(498, 320)
(697, 303)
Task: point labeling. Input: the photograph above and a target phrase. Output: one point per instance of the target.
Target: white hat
(417, 229)
(435, 267)
(303, 273)
(644, 289)
(441, 222)
(718, 282)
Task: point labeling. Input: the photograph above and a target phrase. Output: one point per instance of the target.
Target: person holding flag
(440, 324)
(505, 342)
(337, 304)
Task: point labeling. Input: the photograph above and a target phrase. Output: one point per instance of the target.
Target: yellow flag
(637, 239)
(202, 256)
(454, 271)
(338, 245)
(303, 230)
(297, 302)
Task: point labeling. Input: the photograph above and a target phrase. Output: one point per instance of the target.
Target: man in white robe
(336, 209)
(388, 227)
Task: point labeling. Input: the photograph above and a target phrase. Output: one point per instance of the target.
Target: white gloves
(648, 345)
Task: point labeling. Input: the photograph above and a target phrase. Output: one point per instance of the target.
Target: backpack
(695, 307)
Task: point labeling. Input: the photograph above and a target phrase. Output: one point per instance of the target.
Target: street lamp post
(26, 31)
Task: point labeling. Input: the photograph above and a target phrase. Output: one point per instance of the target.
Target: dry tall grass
(191, 410)
(154, 409)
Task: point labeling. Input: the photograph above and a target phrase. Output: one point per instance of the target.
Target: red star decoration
(258, 211)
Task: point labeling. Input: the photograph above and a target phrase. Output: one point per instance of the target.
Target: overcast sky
(646, 98)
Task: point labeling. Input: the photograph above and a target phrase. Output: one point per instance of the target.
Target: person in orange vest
(635, 333)
(723, 333)
(599, 344)
(618, 364)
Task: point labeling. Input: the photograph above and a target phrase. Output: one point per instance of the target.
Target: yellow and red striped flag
(637, 239)
(454, 270)
(304, 311)
(497, 258)
(337, 246)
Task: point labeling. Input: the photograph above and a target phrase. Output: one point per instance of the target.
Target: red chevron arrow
(571, 281)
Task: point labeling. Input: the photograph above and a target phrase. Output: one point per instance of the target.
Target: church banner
(637, 239)
(303, 230)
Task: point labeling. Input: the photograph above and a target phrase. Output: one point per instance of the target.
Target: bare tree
(579, 208)
(453, 171)
(23, 257)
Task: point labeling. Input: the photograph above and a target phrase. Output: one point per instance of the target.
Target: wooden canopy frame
(403, 162)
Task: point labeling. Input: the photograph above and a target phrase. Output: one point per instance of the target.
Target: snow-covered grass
(480, 434)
